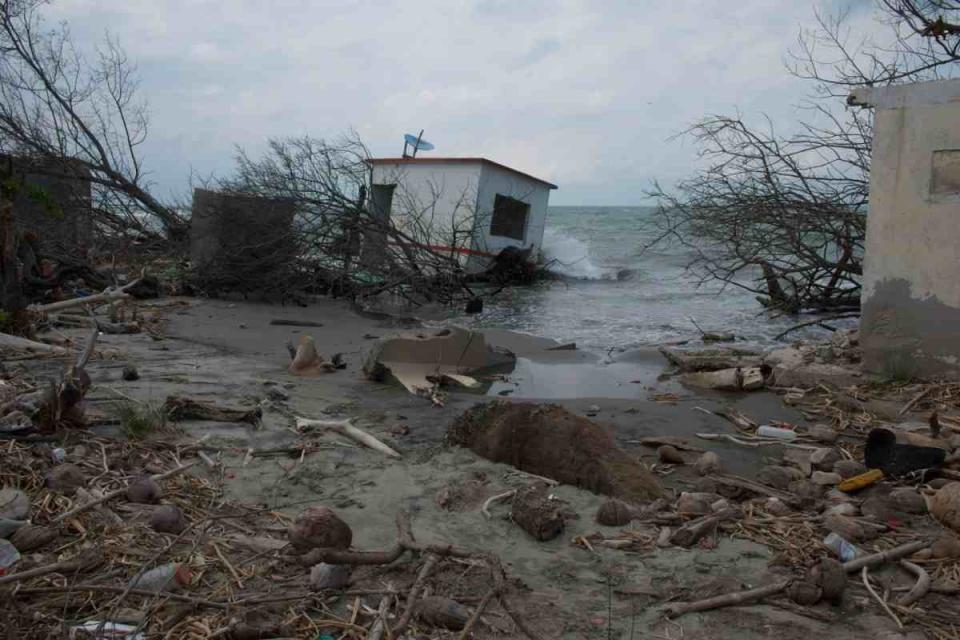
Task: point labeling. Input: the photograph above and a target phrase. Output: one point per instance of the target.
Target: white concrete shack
(911, 287)
(470, 207)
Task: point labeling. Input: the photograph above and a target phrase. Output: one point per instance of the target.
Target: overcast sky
(585, 93)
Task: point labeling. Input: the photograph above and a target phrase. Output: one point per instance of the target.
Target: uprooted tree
(61, 108)
(785, 216)
(71, 128)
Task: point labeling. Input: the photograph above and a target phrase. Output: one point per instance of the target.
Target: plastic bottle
(767, 431)
(840, 547)
(167, 577)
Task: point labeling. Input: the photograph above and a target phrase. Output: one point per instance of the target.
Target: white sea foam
(569, 256)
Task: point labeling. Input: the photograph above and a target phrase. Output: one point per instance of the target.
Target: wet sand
(229, 352)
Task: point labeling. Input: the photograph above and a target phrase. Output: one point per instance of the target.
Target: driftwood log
(346, 428)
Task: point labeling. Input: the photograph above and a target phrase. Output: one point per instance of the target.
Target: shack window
(945, 177)
(382, 200)
(509, 218)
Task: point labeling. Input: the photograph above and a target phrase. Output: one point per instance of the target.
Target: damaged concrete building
(52, 200)
(911, 287)
(470, 207)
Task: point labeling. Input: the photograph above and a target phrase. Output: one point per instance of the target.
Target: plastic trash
(58, 455)
(860, 481)
(840, 547)
(9, 555)
(167, 577)
(8, 527)
(105, 629)
(767, 431)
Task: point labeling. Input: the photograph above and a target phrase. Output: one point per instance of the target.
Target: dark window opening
(382, 200)
(509, 218)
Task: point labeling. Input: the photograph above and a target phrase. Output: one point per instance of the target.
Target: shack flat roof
(459, 161)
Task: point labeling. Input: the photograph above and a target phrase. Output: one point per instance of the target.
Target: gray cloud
(585, 93)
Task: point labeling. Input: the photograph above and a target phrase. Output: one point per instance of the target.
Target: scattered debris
(307, 361)
(536, 513)
(421, 361)
(179, 408)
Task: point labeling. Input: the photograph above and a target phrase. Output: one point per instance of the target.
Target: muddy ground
(229, 352)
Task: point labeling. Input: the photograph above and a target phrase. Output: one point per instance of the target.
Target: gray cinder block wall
(227, 229)
(53, 200)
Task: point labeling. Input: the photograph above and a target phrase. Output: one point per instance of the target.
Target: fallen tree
(784, 216)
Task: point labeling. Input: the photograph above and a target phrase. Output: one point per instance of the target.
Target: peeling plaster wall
(911, 292)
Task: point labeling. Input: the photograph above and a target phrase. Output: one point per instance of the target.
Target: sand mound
(550, 441)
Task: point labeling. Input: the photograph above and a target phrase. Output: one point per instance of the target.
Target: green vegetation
(139, 420)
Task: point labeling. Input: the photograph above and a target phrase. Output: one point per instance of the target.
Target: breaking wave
(570, 257)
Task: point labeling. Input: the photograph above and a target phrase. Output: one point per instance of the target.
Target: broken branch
(346, 428)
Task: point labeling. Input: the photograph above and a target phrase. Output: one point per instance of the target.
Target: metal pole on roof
(417, 146)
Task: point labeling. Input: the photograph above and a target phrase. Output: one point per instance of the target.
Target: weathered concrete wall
(911, 289)
(53, 201)
(228, 230)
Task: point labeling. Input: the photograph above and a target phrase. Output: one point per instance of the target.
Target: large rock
(945, 505)
(547, 440)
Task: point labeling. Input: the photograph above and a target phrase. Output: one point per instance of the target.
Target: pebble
(14, 504)
(776, 507)
(824, 459)
(329, 576)
(277, 395)
(848, 468)
(319, 527)
(946, 546)
(908, 500)
(842, 509)
(826, 478)
(779, 477)
(945, 505)
(669, 454)
(65, 479)
(822, 433)
(708, 463)
(697, 503)
(167, 519)
(130, 372)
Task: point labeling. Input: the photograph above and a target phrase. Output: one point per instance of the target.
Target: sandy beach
(230, 352)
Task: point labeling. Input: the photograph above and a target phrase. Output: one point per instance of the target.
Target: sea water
(618, 289)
